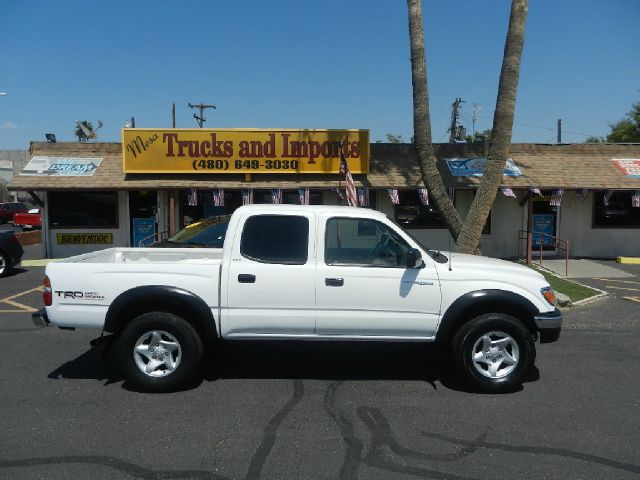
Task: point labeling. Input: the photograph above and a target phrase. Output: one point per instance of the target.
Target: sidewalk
(583, 268)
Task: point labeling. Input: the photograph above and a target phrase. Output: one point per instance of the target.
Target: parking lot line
(633, 299)
(623, 288)
(618, 281)
(23, 308)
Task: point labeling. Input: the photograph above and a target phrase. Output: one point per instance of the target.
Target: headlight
(548, 295)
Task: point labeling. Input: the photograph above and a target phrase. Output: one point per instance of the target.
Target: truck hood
(477, 266)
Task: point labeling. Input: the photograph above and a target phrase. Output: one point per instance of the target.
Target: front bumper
(549, 325)
(40, 318)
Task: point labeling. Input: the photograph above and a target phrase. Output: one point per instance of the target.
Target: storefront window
(410, 213)
(83, 209)
(619, 213)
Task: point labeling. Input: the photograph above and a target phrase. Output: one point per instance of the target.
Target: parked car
(28, 221)
(10, 252)
(208, 233)
(291, 272)
(9, 209)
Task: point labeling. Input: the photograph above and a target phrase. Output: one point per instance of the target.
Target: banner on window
(84, 238)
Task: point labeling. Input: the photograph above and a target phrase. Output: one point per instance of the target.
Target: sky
(303, 64)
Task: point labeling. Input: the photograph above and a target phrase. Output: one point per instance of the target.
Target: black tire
(5, 266)
(178, 345)
(493, 352)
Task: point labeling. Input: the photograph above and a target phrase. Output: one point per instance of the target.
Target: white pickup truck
(303, 273)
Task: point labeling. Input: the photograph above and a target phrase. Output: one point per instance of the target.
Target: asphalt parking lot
(318, 411)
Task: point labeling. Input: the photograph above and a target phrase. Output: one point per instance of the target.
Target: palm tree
(83, 131)
(467, 234)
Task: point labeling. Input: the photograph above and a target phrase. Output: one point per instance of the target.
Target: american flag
(556, 197)
(247, 196)
(580, 195)
(635, 199)
(536, 191)
(607, 197)
(193, 198)
(276, 196)
(393, 194)
(507, 192)
(451, 192)
(352, 198)
(363, 197)
(218, 197)
(423, 195)
(303, 194)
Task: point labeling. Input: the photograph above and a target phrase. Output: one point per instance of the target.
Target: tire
(154, 336)
(5, 265)
(493, 352)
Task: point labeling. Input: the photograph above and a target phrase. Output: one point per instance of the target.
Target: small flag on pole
(303, 194)
(393, 194)
(363, 197)
(247, 196)
(635, 199)
(218, 197)
(607, 197)
(338, 193)
(193, 198)
(581, 195)
(556, 197)
(423, 195)
(352, 198)
(507, 192)
(276, 196)
(536, 191)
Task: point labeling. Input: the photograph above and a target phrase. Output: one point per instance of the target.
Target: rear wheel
(4, 264)
(493, 352)
(159, 352)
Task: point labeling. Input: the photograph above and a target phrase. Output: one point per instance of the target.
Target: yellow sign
(243, 151)
(84, 238)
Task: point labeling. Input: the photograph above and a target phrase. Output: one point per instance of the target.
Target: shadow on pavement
(298, 360)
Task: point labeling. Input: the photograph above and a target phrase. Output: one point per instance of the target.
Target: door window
(280, 239)
(365, 242)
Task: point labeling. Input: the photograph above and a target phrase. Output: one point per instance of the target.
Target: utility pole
(454, 120)
(201, 118)
(173, 115)
(474, 119)
(559, 130)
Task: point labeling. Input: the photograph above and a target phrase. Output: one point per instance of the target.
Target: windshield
(209, 232)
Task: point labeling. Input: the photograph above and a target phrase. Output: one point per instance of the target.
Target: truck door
(363, 284)
(269, 285)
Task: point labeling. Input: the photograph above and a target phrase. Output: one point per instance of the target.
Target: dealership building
(157, 181)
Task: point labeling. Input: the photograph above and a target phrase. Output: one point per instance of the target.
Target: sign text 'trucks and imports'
(243, 151)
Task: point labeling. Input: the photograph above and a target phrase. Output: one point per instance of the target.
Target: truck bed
(149, 255)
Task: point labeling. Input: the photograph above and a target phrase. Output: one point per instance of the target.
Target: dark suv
(9, 209)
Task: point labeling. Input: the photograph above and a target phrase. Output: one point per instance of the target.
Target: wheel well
(141, 300)
(473, 305)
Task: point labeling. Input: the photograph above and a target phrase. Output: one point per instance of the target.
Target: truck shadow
(297, 360)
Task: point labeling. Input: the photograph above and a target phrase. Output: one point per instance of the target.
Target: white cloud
(9, 125)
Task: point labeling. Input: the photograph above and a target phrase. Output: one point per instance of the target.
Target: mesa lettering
(84, 238)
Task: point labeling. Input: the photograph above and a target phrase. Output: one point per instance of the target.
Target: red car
(28, 221)
(9, 209)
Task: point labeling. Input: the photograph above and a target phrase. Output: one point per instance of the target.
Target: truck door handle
(334, 282)
(246, 278)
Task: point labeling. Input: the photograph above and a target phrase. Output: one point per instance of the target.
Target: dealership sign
(629, 166)
(243, 150)
(61, 166)
(474, 167)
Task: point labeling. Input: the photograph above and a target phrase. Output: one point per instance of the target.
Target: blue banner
(143, 228)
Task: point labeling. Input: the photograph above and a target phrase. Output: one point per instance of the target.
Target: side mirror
(414, 258)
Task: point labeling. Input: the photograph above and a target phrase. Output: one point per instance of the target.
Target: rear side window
(280, 239)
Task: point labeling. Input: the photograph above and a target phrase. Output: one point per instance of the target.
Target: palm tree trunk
(469, 237)
(422, 122)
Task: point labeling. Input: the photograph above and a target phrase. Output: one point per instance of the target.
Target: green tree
(83, 130)
(467, 234)
(626, 130)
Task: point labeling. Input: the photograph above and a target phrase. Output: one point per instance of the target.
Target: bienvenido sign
(243, 150)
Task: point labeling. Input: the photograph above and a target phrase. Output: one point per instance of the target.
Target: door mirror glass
(414, 258)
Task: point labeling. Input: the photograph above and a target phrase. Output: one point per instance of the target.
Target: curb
(628, 260)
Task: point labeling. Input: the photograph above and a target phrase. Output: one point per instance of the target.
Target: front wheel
(493, 352)
(159, 352)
